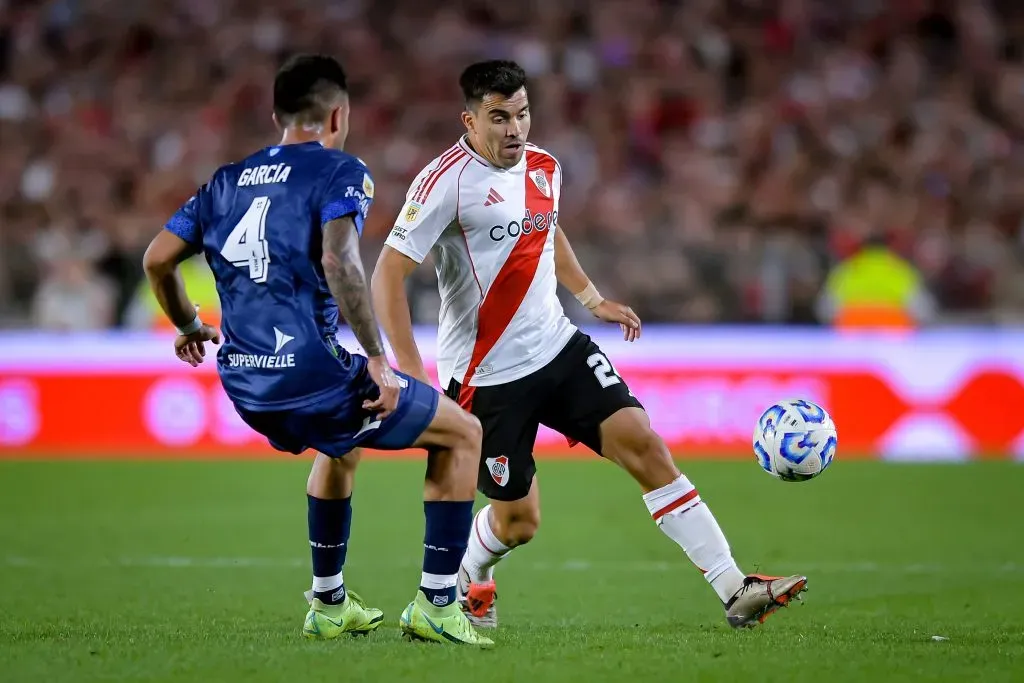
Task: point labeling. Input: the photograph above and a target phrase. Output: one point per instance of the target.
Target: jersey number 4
(246, 246)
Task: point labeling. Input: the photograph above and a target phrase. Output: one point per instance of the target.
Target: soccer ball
(795, 440)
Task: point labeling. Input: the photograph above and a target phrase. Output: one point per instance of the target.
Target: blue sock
(444, 544)
(330, 522)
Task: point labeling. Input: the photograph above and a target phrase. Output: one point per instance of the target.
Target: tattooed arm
(343, 268)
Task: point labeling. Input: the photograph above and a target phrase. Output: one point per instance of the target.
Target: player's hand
(387, 381)
(191, 348)
(614, 312)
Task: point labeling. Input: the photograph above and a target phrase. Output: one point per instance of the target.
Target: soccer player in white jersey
(487, 209)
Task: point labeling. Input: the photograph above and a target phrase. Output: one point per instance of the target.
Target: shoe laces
(748, 583)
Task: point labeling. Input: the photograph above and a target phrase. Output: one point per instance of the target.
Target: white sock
(679, 512)
(438, 581)
(484, 549)
(322, 584)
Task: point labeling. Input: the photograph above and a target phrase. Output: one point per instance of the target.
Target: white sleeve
(430, 206)
(556, 184)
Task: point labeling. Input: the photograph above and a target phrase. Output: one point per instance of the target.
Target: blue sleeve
(185, 222)
(349, 192)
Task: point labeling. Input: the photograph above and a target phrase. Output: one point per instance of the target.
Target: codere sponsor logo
(538, 222)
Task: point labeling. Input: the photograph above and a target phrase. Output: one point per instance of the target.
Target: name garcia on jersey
(265, 174)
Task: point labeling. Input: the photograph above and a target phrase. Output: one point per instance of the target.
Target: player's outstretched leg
(333, 610)
(628, 440)
(453, 442)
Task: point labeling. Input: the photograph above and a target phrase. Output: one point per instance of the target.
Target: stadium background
(721, 160)
(767, 182)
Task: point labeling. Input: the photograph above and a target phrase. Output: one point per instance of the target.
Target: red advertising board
(928, 396)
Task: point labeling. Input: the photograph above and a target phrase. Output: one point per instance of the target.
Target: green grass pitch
(190, 571)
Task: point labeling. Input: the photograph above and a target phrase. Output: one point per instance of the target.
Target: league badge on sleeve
(412, 211)
(367, 186)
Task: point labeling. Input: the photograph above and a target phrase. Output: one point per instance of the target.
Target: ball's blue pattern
(828, 451)
(763, 457)
(810, 412)
(796, 448)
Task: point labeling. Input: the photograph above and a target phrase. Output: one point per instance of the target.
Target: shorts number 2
(603, 370)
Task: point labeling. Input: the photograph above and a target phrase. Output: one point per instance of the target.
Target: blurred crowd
(720, 156)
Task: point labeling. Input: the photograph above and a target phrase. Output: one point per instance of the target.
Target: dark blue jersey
(259, 224)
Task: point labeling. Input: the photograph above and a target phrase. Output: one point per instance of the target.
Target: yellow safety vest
(873, 288)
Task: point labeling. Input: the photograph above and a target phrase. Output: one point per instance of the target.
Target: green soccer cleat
(423, 621)
(330, 621)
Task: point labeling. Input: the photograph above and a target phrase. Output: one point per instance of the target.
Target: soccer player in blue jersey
(280, 230)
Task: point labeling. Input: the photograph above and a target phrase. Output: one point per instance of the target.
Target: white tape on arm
(192, 327)
(590, 297)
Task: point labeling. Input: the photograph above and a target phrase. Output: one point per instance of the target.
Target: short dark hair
(307, 87)
(496, 76)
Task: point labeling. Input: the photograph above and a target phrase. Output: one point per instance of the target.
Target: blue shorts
(338, 424)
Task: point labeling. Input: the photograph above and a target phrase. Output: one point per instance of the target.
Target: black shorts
(573, 394)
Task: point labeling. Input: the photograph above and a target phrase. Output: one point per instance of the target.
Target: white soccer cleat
(477, 600)
(760, 596)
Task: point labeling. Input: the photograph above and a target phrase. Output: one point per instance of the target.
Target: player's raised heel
(330, 621)
(760, 596)
(423, 621)
(477, 601)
